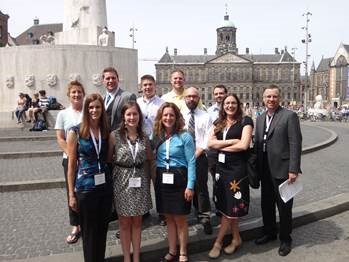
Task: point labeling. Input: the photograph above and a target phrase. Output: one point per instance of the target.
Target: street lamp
(306, 41)
(132, 35)
(293, 72)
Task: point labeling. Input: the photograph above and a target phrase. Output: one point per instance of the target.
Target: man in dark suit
(115, 97)
(278, 141)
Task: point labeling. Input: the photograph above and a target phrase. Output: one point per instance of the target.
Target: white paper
(288, 191)
(134, 182)
(99, 179)
(168, 178)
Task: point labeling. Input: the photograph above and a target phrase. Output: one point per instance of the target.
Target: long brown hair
(159, 127)
(85, 123)
(221, 122)
(123, 128)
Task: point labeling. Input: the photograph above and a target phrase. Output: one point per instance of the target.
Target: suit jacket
(283, 145)
(114, 108)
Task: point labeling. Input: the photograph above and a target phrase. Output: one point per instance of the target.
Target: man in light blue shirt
(198, 123)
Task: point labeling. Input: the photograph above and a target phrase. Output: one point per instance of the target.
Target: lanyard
(134, 150)
(167, 143)
(267, 124)
(98, 149)
(225, 132)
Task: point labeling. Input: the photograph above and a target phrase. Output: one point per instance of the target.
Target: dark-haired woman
(175, 178)
(131, 184)
(89, 182)
(231, 136)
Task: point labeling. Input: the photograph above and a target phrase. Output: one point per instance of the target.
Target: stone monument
(84, 21)
(318, 109)
(72, 54)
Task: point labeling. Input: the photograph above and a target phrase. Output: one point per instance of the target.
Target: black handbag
(253, 175)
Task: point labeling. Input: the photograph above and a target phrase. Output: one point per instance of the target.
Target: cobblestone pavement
(35, 223)
(326, 240)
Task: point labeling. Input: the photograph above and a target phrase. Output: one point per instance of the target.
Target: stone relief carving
(29, 80)
(10, 82)
(47, 39)
(97, 79)
(51, 79)
(75, 77)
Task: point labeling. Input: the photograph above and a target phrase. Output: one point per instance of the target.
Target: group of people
(115, 146)
(38, 104)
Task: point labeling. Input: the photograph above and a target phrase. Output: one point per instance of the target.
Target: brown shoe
(215, 252)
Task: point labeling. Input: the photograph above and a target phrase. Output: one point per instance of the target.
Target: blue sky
(190, 25)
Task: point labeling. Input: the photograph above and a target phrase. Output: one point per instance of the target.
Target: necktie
(191, 125)
(107, 99)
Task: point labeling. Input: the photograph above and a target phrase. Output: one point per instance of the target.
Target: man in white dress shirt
(149, 103)
(198, 123)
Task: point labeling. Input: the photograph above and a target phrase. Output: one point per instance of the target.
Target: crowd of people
(116, 146)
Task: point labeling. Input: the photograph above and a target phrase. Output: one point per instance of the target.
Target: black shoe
(207, 228)
(117, 234)
(145, 216)
(264, 239)
(285, 248)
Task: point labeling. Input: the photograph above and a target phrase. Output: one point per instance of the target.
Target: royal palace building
(244, 74)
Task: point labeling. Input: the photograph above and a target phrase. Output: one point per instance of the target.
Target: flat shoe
(183, 258)
(73, 237)
(230, 249)
(215, 252)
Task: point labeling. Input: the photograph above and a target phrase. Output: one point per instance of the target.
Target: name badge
(134, 182)
(221, 158)
(168, 178)
(99, 179)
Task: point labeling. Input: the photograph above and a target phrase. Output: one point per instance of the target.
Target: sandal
(183, 258)
(215, 252)
(234, 245)
(73, 237)
(169, 257)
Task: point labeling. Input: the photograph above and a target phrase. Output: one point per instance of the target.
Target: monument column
(83, 22)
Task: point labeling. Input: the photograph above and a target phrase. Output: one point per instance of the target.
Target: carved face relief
(51, 79)
(29, 80)
(10, 82)
(97, 79)
(74, 77)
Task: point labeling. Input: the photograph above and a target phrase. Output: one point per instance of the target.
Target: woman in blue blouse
(89, 181)
(175, 156)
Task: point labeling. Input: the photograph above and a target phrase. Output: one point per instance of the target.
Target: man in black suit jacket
(115, 97)
(278, 141)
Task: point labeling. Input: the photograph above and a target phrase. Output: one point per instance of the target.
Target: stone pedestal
(29, 69)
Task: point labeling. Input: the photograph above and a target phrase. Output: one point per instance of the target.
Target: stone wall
(29, 69)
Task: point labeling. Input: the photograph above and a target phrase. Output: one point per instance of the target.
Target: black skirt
(170, 197)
